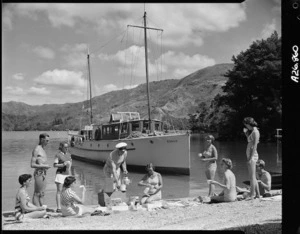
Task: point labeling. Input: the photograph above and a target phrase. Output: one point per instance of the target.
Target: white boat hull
(168, 153)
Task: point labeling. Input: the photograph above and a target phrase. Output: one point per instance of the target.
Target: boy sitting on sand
(264, 181)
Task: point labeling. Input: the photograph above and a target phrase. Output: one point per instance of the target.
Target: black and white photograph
(154, 116)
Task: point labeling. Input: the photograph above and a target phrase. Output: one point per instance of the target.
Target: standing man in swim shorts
(39, 162)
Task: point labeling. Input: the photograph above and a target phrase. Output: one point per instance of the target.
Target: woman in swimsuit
(210, 156)
(24, 208)
(153, 183)
(229, 184)
(63, 162)
(71, 204)
(252, 135)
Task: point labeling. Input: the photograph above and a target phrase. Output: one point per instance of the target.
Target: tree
(254, 87)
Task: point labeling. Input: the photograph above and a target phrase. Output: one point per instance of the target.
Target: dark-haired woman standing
(252, 134)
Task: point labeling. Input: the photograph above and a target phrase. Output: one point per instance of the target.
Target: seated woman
(69, 199)
(229, 192)
(24, 208)
(153, 183)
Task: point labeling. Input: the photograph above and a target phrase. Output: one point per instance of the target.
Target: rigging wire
(107, 43)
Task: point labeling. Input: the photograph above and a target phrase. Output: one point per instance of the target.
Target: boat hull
(169, 153)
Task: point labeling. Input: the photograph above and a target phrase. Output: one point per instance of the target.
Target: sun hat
(121, 145)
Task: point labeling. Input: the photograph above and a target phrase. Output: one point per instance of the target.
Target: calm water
(16, 155)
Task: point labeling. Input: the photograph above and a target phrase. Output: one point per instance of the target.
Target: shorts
(60, 179)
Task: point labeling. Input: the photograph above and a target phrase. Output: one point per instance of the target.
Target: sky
(45, 45)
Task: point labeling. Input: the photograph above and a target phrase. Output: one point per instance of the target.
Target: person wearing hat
(264, 178)
(113, 163)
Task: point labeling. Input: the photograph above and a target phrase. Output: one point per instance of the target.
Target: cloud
(44, 52)
(131, 61)
(75, 55)
(134, 64)
(181, 64)
(18, 76)
(182, 23)
(130, 86)
(14, 91)
(111, 87)
(268, 29)
(62, 79)
(7, 16)
(276, 9)
(38, 91)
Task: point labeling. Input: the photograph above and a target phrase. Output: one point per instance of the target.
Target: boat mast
(146, 63)
(90, 84)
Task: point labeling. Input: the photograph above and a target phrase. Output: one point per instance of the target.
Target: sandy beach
(258, 216)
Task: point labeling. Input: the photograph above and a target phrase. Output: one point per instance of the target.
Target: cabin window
(115, 128)
(135, 126)
(156, 127)
(124, 128)
(146, 125)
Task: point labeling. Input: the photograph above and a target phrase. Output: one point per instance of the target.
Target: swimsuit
(154, 181)
(19, 214)
(250, 140)
(68, 206)
(39, 181)
(210, 165)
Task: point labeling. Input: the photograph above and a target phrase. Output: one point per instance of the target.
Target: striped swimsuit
(19, 214)
(67, 202)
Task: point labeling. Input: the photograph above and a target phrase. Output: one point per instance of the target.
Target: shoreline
(259, 216)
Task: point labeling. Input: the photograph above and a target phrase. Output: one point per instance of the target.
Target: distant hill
(172, 98)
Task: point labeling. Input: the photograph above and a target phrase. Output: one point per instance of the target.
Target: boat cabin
(122, 125)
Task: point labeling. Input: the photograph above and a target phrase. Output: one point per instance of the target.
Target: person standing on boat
(252, 134)
(113, 163)
(210, 156)
(63, 162)
(39, 162)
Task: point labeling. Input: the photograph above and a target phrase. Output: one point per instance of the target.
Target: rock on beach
(254, 216)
